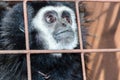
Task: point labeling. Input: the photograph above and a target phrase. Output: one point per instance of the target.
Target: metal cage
(82, 51)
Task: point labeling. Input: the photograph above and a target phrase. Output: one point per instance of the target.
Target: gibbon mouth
(64, 35)
(64, 31)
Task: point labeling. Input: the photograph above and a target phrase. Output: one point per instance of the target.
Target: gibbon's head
(56, 25)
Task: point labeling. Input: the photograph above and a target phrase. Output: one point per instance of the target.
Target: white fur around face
(39, 25)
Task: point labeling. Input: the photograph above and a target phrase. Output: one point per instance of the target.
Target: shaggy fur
(13, 67)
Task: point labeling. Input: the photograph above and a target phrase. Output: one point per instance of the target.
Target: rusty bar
(83, 66)
(80, 39)
(79, 25)
(101, 50)
(82, 51)
(69, 0)
(101, 0)
(29, 66)
(39, 0)
(12, 0)
(27, 40)
(51, 0)
(26, 25)
(56, 51)
(13, 51)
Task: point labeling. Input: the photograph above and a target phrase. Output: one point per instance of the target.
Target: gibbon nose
(64, 24)
(61, 24)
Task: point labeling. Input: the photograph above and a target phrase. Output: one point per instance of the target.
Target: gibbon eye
(67, 18)
(66, 15)
(50, 17)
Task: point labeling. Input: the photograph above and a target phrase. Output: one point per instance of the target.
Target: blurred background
(104, 34)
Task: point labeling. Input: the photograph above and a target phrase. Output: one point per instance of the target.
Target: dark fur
(13, 67)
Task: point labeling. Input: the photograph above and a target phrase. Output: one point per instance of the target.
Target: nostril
(63, 24)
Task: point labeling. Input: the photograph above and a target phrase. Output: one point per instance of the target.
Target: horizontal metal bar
(101, 0)
(70, 0)
(50, 0)
(100, 50)
(57, 51)
(39, 0)
(11, 0)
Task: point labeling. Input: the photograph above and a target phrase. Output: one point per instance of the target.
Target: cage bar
(70, 0)
(27, 40)
(80, 39)
(56, 51)
(102, 0)
(28, 52)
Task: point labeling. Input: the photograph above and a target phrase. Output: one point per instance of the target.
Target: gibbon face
(57, 26)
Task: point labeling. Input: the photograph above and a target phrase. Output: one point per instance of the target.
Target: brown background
(106, 28)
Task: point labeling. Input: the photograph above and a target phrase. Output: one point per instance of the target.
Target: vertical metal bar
(79, 25)
(27, 40)
(83, 66)
(29, 67)
(80, 39)
(26, 24)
